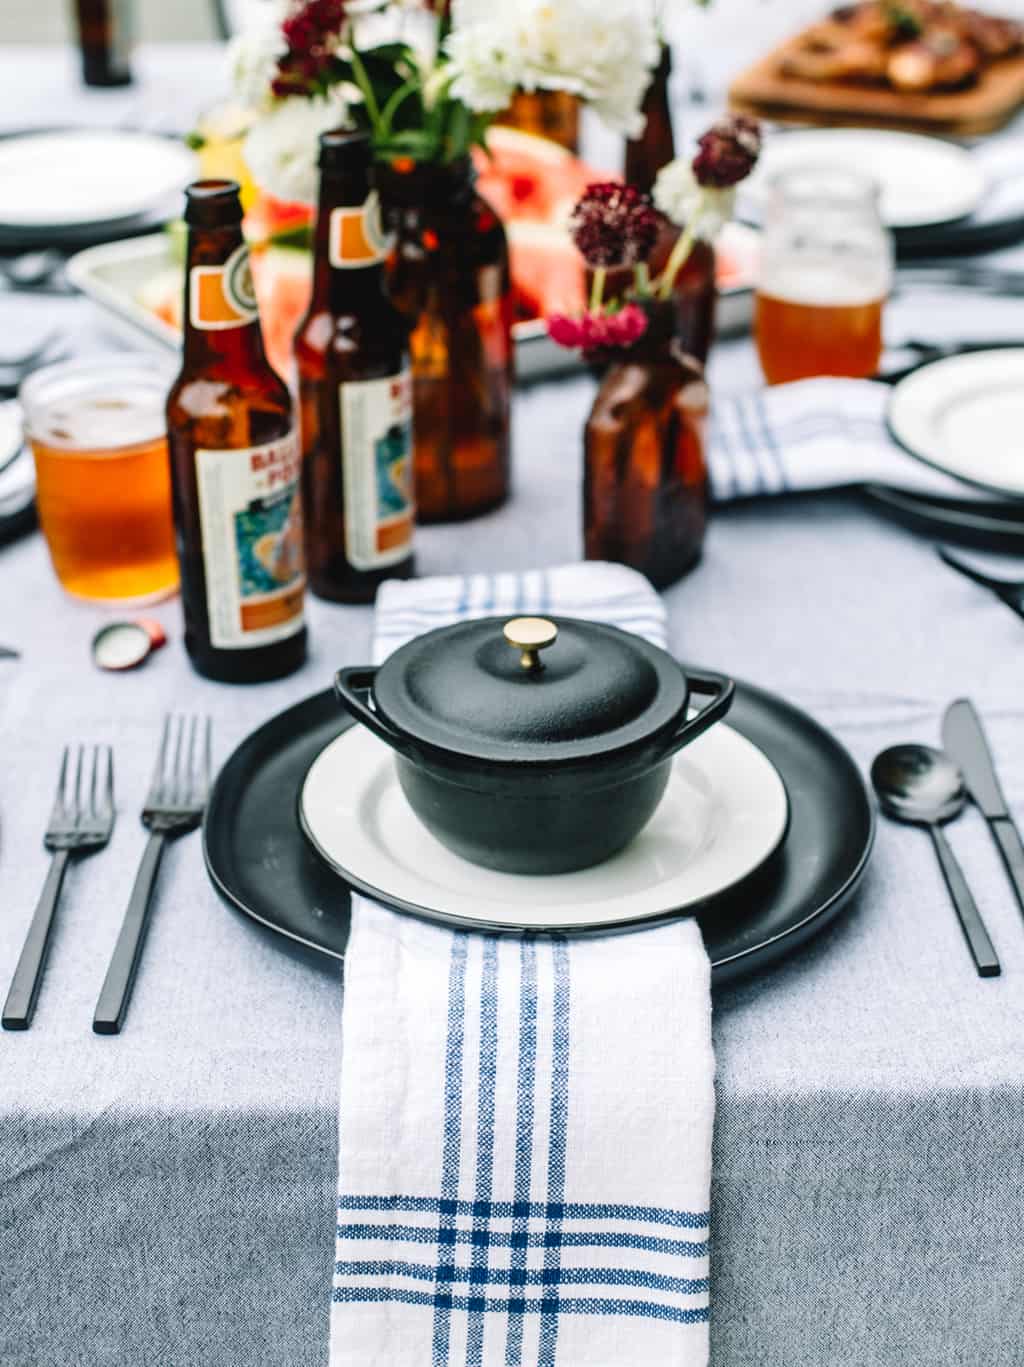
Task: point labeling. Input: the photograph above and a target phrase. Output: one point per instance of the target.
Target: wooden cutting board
(982, 108)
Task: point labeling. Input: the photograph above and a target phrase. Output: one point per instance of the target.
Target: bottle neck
(222, 325)
(348, 261)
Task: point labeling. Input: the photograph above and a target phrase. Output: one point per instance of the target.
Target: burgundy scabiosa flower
(728, 151)
(311, 31)
(614, 225)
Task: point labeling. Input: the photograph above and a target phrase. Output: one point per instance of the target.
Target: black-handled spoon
(922, 786)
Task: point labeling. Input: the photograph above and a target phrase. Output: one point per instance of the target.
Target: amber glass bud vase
(449, 277)
(655, 147)
(645, 478)
(553, 114)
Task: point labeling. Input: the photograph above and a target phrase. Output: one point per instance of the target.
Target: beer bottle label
(376, 461)
(250, 514)
(223, 296)
(357, 237)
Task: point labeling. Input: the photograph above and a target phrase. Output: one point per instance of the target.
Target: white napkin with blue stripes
(525, 1123)
(812, 434)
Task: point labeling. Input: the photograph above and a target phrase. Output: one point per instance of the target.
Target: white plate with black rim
(964, 415)
(923, 181)
(724, 814)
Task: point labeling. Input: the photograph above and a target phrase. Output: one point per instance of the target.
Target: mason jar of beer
(235, 463)
(355, 391)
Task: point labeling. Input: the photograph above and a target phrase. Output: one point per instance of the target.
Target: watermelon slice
(530, 178)
(282, 277)
(547, 270)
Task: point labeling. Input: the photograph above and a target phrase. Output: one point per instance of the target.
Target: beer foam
(826, 284)
(100, 423)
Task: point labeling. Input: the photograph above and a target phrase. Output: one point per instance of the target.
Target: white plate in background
(82, 176)
(965, 415)
(924, 181)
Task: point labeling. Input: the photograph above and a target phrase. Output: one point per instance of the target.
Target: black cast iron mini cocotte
(531, 765)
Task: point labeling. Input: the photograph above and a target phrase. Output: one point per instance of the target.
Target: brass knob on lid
(530, 635)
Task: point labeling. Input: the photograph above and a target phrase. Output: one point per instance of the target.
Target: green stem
(642, 279)
(682, 249)
(597, 288)
(366, 86)
(387, 114)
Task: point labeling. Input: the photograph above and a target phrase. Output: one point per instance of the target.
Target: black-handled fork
(81, 823)
(174, 805)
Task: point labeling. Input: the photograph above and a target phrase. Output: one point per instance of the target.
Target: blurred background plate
(54, 181)
(964, 415)
(924, 181)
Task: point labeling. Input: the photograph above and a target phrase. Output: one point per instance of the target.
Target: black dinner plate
(260, 863)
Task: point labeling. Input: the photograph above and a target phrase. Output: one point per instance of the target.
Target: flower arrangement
(427, 77)
(616, 226)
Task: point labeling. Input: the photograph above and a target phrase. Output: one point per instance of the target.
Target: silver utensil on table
(1008, 591)
(923, 787)
(81, 823)
(965, 742)
(174, 805)
(16, 368)
(35, 271)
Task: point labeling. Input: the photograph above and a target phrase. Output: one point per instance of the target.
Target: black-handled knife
(965, 742)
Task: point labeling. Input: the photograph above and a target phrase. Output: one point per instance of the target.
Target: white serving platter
(116, 274)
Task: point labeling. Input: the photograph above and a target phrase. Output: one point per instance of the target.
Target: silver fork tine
(78, 783)
(58, 802)
(110, 780)
(156, 783)
(176, 794)
(207, 756)
(190, 792)
(94, 811)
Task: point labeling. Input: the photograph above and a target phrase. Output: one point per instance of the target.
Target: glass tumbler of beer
(826, 269)
(98, 433)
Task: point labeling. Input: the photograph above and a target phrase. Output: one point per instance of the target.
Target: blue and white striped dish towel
(525, 1123)
(811, 434)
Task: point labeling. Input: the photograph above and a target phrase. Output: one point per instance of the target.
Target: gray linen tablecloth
(167, 1196)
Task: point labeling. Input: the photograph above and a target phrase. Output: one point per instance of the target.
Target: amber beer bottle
(105, 39)
(355, 391)
(235, 463)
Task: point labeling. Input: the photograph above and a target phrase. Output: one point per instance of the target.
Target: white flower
(702, 208)
(486, 67)
(252, 56)
(602, 50)
(374, 25)
(281, 147)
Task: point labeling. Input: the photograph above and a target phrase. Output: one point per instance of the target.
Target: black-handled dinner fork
(81, 822)
(174, 805)
(1008, 591)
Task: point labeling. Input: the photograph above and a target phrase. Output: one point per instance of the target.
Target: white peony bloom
(281, 147)
(702, 208)
(252, 57)
(485, 75)
(602, 50)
